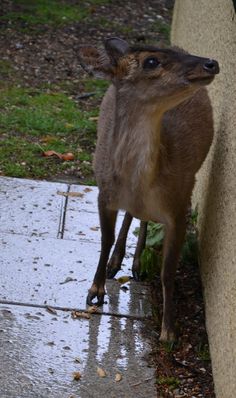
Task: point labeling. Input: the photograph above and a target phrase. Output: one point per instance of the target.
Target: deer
(155, 129)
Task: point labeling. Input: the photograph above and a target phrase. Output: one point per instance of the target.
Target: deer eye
(150, 63)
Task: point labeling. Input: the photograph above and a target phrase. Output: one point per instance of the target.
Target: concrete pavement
(50, 243)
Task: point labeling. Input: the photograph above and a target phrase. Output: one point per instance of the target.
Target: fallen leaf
(87, 190)
(76, 376)
(78, 314)
(101, 372)
(67, 156)
(71, 194)
(118, 377)
(94, 228)
(77, 360)
(62, 156)
(123, 279)
(93, 118)
(93, 309)
(52, 153)
(51, 310)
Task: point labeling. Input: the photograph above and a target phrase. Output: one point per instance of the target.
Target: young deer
(154, 131)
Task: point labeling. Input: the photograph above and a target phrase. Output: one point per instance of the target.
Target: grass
(203, 352)
(32, 13)
(171, 382)
(98, 86)
(32, 121)
(6, 69)
(161, 27)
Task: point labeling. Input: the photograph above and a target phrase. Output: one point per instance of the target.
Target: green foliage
(189, 252)
(32, 121)
(151, 257)
(150, 264)
(42, 12)
(168, 346)
(98, 86)
(6, 69)
(203, 352)
(171, 382)
(162, 28)
(36, 113)
(155, 235)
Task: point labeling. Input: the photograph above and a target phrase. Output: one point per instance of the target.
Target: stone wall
(208, 28)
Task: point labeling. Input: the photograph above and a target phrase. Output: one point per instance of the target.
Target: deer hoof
(112, 268)
(167, 336)
(136, 275)
(92, 294)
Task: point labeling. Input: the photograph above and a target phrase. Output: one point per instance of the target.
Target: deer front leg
(174, 237)
(118, 254)
(107, 223)
(139, 248)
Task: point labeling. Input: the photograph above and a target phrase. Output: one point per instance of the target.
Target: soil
(48, 54)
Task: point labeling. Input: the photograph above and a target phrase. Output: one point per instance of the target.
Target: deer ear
(116, 48)
(102, 63)
(95, 62)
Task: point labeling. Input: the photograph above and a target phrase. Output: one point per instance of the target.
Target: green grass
(161, 27)
(6, 69)
(32, 112)
(32, 13)
(203, 352)
(98, 86)
(171, 382)
(32, 121)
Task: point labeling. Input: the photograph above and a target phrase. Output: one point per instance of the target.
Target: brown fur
(154, 132)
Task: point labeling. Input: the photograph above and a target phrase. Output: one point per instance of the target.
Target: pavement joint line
(62, 220)
(69, 309)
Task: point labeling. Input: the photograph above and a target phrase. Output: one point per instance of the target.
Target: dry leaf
(51, 310)
(101, 372)
(118, 377)
(94, 228)
(87, 190)
(52, 153)
(62, 156)
(67, 156)
(123, 279)
(76, 375)
(78, 314)
(93, 309)
(71, 194)
(93, 118)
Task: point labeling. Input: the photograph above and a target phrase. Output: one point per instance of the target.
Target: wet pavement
(50, 243)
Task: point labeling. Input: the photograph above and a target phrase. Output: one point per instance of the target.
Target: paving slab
(30, 207)
(38, 352)
(82, 220)
(49, 250)
(35, 270)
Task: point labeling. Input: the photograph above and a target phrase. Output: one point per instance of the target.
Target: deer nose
(211, 66)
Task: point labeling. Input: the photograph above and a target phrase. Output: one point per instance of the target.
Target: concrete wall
(208, 28)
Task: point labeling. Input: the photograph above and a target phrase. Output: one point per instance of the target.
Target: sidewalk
(50, 246)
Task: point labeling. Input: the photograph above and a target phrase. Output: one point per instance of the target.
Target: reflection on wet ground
(40, 266)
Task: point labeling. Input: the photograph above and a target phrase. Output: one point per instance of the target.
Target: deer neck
(137, 142)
